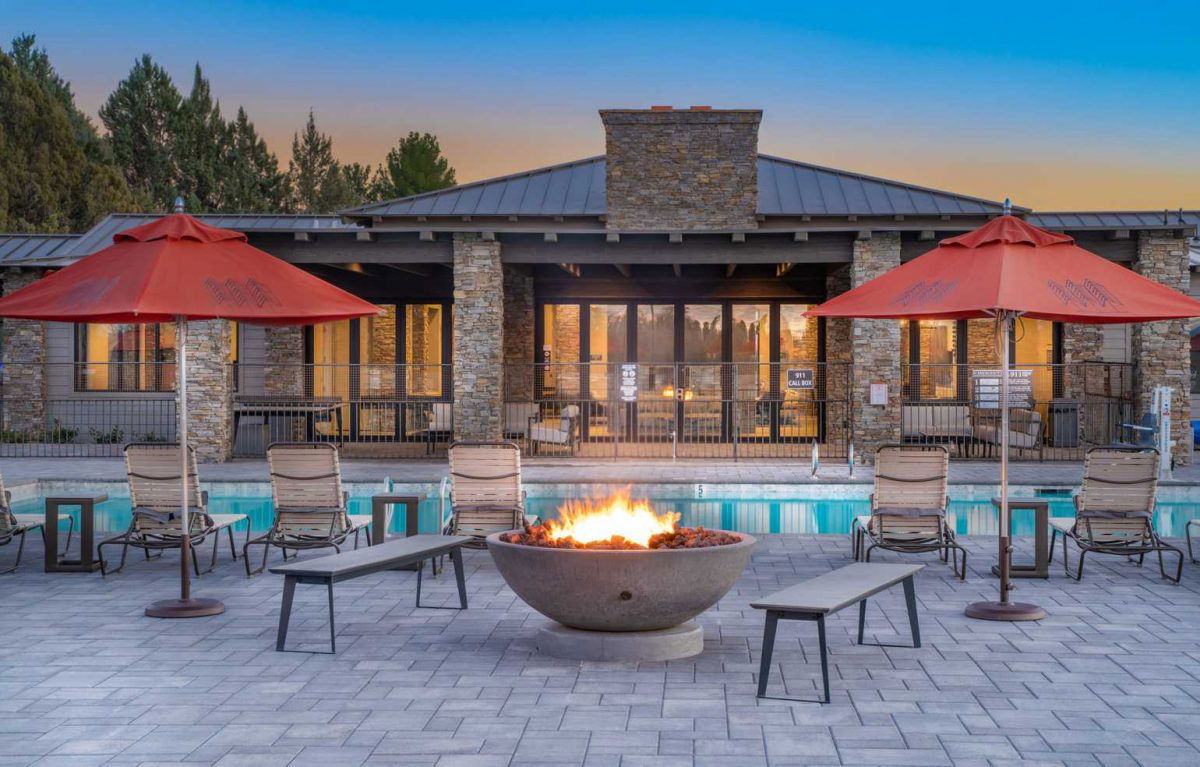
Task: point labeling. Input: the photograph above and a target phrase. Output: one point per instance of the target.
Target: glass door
(655, 413)
(607, 349)
(700, 403)
(799, 373)
(755, 387)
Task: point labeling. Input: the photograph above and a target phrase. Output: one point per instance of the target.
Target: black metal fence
(1069, 408)
(679, 410)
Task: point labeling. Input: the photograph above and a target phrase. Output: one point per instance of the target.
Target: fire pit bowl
(605, 590)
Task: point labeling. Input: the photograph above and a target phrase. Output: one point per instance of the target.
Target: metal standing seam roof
(100, 235)
(1115, 219)
(37, 249)
(785, 188)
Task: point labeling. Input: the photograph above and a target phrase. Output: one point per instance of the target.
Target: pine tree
(199, 148)
(413, 166)
(359, 186)
(319, 183)
(143, 118)
(254, 183)
(53, 176)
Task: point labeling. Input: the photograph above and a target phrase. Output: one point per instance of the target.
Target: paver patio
(1111, 677)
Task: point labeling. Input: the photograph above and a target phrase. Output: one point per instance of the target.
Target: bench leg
(824, 655)
(768, 647)
(285, 612)
(910, 598)
(862, 619)
(459, 576)
(332, 633)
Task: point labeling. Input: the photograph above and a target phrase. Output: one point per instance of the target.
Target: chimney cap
(704, 108)
(662, 108)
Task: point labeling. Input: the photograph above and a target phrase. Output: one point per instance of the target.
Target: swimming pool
(748, 515)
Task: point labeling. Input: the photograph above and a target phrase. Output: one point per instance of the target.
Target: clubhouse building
(648, 302)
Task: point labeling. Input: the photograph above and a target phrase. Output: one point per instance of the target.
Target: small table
(1041, 541)
(379, 517)
(87, 507)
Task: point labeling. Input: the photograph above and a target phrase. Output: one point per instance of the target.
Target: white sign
(879, 394)
(987, 384)
(628, 385)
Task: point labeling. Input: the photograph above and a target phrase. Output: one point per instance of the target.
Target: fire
(617, 516)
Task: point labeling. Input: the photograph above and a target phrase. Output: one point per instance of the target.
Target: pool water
(971, 517)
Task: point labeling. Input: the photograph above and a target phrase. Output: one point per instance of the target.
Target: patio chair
(1114, 510)
(563, 430)
(311, 508)
(13, 526)
(154, 494)
(908, 507)
(1187, 533)
(1024, 429)
(485, 490)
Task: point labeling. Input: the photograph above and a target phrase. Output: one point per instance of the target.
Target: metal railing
(1069, 409)
(72, 410)
(368, 410)
(679, 410)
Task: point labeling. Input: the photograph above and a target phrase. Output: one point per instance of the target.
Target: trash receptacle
(1064, 423)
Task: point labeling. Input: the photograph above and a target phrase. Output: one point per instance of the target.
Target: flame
(617, 515)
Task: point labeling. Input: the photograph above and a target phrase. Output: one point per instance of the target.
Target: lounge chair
(13, 526)
(908, 507)
(485, 490)
(154, 494)
(1187, 533)
(561, 430)
(1114, 510)
(311, 508)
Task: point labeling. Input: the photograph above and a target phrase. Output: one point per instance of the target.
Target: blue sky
(1068, 105)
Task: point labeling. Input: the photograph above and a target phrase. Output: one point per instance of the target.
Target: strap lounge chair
(311, 508)
(153, 472)
(14, 526)
(1187, 533)
(485, 490)
(908, 507)
(1114, 510)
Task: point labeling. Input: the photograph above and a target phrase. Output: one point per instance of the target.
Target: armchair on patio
(518, 417)
(563, 430)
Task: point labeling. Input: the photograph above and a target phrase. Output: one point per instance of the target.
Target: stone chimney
(681, 169)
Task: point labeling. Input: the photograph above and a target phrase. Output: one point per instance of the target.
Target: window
(930, 348)
(125, 357)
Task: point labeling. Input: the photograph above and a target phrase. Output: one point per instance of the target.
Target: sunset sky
(1069, 105)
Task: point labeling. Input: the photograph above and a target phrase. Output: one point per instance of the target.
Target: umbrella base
(185, 608)
(1005, 611)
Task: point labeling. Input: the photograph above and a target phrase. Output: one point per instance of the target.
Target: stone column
(981, 345)
(24, 365)
(518, 333)
(209, 390)
(1161, 350)
(875, 350)
(478, 338)
(283, 377)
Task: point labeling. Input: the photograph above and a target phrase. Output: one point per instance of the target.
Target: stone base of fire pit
(682, 641)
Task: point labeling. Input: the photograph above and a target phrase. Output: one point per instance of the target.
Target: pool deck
(1110, 679)
(569, 471)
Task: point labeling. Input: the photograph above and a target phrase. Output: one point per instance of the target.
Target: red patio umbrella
(176, 269)
(1006, 269)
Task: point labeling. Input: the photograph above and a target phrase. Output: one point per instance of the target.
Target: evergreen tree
(52, 178)
(143, 117)
(359, 186)
(319, 185)
(199, 148)
(254, 183)
(413, 166)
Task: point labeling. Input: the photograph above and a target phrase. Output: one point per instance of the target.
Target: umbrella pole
(185, 606)
(1004, 610)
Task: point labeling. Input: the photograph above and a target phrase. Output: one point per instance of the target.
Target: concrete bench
(815, 598)
(391, 555)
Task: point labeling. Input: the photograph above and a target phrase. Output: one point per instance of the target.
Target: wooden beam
(1119, 234)
(729, 270)
(550, 237)
(302, 236)
(426, 235)
(898, 217)
(678, 269)
(413, 269)
(571, 269)
(612, 237)
(926, 235)
(466, 218)
(487, 236)
(799, 236)
(863, 234)
(675, 238)
(364, 236)
(624, 270)
(512, 219)
(738, 237)
(782, 269)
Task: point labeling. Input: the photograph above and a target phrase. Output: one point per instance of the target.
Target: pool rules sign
(628, 385)
(987, 388)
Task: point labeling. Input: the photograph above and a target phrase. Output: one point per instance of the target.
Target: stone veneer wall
(981, 343)
(1161, 350)
(686, 169)
(284, 376)
(518, 333)
(875, 350)
(837, 358)
(209, 390)
(478, 338)
(24, 363)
